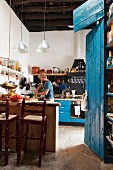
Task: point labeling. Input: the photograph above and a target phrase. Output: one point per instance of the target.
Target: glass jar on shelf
(12, 64)
(20, 67)
(109, 61)
(1, 60)
(5, 62)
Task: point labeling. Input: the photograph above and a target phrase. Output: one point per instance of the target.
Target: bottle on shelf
(108, 88)
(109, 61)
(68, 92)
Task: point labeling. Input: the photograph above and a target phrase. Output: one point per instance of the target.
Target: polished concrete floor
(73, 154)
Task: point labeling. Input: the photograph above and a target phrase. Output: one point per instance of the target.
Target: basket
(8, 87)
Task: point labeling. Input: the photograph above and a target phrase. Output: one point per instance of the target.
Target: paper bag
(84, 102)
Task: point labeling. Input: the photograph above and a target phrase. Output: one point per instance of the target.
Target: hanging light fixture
(21, 47)
(44, 46)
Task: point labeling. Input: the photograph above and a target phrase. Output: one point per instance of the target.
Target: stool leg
(20, 143)
(41, 147)
(17, 133)
(27, 129)
(45, 130)
(6, 143)
(0, 137)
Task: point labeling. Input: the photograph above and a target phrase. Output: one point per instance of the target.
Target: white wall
(65, 47)
(15, 35)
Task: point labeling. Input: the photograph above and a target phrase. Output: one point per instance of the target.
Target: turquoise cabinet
(64, 110)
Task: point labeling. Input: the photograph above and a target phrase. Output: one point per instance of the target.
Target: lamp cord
(44, 19)
(9, 37)
(9, 29)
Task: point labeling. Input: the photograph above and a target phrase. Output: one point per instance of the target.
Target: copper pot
(42, 71)
(49, 71)
(35, 70)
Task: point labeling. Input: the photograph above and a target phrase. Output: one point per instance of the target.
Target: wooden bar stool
(7, 119)
(32, 113)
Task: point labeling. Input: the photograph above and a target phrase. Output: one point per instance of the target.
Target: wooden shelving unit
(108, 116)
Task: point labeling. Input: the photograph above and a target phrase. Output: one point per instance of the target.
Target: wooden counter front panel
(52, 129)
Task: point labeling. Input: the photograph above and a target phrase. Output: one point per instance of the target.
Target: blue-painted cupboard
(64, 110)
(67, 113)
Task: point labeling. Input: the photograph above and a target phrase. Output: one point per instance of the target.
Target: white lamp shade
(21, 47)
(43, 47)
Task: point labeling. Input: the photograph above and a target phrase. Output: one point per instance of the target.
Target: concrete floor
(73, 154)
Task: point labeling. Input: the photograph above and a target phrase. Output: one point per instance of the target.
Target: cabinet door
(64, 116)
(64, 110)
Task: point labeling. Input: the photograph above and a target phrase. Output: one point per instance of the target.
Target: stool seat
(11, 117)
(34, 118)
(32, 113)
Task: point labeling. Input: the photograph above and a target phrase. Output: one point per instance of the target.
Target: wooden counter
(52, 125)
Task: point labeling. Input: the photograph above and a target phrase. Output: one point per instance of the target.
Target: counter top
(34, 100)
(47, 102)
(70, 99)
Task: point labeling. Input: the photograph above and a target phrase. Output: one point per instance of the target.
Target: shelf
(109, 94)
(109, 140)
(110, 67)
(10, 70)
(109, 117)
(4, 75)
(110, 44)
(53, 74)
(109, 22)
(64, 74)
(78, 73)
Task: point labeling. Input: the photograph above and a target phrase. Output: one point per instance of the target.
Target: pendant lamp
(21, 47)
(44, 46)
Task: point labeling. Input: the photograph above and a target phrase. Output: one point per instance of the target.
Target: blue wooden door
(94, 123)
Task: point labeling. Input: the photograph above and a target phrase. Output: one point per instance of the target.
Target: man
(47, 87)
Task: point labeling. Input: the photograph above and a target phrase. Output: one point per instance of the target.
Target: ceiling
(58, 13)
